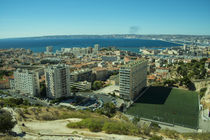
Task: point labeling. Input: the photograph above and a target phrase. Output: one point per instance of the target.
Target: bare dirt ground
(57, 130)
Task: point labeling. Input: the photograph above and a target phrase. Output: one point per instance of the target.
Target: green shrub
(6, 123)
(115, 127)
(199, 136)
(156, 138)
(93, 124)
(170, 133)
(108, 109)
(73, 125)
(109, 126)
(202, 92)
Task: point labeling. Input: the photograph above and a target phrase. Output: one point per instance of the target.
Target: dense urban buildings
(57, 81)
(27, 82)
(92, 77)
(133, 78)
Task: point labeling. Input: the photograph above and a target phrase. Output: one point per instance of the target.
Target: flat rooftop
(133, 63)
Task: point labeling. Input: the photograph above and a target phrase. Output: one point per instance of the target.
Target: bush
(6, 123)
(74, 125)
(48, 116)
(170, 133)
(108, 109)
(8, 138)
(199, 136)
(202, 92)
(155, 126)
(107, 125)
(115, 127)
(93, 124)
(97, 85)
(156, 138)
(13, 102)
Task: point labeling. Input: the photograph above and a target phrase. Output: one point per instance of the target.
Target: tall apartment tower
(57, 78)
(96, 48)
(133, 78)
(27, 82)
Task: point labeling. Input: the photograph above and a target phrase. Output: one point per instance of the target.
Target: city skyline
(42, 18)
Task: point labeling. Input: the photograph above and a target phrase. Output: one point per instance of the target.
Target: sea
(39, 45)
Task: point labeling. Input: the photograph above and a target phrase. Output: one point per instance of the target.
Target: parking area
(108, 89)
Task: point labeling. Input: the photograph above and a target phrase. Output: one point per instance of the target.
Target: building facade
(133, 78)
(96, 49)
(57, 81)
(27, 82)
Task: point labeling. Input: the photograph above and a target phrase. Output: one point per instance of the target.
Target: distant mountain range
(116, 36)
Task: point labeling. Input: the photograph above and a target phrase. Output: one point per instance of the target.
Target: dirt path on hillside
(58, 129)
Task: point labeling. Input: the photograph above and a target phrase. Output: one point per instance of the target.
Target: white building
(12, 84)
(82, 86)
(96, 49)
(77, 51)
(133, 78)
(57, 78)
(27, 82)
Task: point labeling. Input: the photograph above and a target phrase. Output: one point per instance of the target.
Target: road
(104, 97)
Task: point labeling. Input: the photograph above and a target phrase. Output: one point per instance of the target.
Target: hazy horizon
(101, 35)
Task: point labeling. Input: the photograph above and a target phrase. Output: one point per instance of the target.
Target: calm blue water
(38, 45)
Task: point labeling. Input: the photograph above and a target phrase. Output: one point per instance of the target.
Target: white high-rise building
(133, 78)
(96, 48)
(27, 82)
(57, 78)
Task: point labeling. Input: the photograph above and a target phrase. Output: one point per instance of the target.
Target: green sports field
(171, 105)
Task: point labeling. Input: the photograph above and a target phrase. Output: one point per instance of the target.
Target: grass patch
(107, 125)
(176, 106)
(53, 113)
(197, 136)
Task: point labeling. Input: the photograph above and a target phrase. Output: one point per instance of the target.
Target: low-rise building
(82, 86)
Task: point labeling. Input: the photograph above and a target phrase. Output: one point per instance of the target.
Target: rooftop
(133, 63)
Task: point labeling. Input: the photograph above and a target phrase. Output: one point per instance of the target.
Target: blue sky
(23, 18)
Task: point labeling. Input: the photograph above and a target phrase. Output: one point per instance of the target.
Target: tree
(108, 109)
(6, 123)
(97, 85)
(2, 104)
(42, 89)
